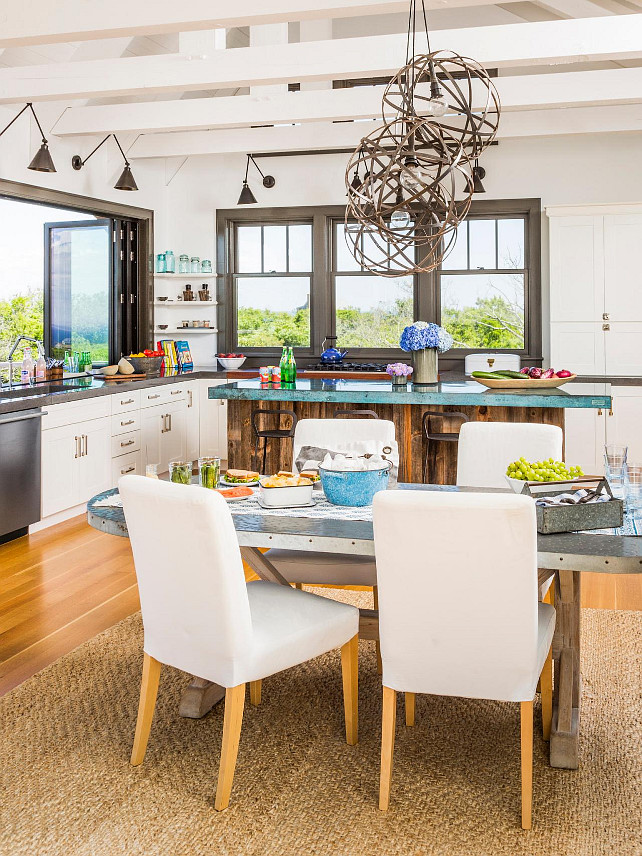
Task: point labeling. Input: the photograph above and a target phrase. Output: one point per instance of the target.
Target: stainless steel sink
(47, 388)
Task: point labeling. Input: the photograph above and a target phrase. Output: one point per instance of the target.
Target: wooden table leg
(566, 650)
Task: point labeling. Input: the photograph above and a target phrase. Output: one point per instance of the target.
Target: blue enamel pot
(353, 488)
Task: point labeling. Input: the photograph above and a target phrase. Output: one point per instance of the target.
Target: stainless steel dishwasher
(19, 471)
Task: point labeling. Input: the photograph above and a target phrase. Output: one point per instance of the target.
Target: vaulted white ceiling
(197, 77)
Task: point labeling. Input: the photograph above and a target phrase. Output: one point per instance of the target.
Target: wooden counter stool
(274, 433)
(438, 437)
(368, 414)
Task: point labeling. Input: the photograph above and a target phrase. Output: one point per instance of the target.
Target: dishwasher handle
(22, 418)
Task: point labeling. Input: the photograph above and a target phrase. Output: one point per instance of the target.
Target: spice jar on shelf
(188, 294)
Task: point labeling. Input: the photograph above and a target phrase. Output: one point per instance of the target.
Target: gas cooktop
(347, 367)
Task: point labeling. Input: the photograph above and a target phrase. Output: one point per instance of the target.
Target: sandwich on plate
(241, 476)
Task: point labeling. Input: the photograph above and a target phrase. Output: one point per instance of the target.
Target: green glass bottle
(292, 365)
(283, 365)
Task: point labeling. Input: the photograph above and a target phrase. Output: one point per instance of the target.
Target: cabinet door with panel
(584, 438)
(59, 470)
(213, 417)
(624, 425)
(192, 427)
(173, 445)
(94, 464)
(152, 422)
(623, 294)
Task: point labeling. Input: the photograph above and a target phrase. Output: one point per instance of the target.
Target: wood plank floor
(64, 585)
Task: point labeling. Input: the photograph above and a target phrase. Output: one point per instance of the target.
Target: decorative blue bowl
(353, 487)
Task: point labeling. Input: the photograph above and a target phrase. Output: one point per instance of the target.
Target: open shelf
(184, 275)
(188, 330)
(186, 303)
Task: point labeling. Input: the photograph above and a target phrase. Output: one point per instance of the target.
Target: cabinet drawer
(121, 402)
(124, 443)
(126, 465)
(162, 394)
(76, 411)
(124, 423)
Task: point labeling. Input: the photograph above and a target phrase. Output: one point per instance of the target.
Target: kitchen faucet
(40, 347)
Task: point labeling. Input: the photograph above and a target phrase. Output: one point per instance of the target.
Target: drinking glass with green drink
(209, 470)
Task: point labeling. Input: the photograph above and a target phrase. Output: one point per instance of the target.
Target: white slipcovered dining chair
(200, 616)
(442, 631)
(340, 569)
(487, 448)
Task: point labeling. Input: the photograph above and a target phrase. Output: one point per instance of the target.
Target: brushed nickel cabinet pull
(129, 401)
(86, 439)
(178, 392)
(128, 470)
(129, 422)
(77, 455)
(128, 443)
(606, 326)
(152, 397)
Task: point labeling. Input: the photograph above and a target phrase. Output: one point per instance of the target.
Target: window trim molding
(427, 299)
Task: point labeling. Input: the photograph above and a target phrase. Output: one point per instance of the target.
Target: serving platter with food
(235, 494)
(285, 490)
(240, 477)
(532, 378)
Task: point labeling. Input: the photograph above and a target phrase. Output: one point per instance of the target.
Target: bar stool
(368, 414)
(441, 437)
(275, 433)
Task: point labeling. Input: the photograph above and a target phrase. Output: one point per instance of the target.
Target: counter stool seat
(274, 433)
(438, 437)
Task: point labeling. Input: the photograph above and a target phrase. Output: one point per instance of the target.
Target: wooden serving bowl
(529, 383)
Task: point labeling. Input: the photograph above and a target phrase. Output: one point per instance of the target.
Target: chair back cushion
(457, 577)
(487, 448)
(190, 576)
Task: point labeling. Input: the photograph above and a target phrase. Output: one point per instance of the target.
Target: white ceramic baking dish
(285, 497)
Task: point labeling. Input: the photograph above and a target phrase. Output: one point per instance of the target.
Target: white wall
(559, 170)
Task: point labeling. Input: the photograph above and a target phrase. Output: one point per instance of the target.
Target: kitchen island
(405, 406)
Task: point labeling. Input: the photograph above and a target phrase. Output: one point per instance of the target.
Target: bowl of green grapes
(521, 471)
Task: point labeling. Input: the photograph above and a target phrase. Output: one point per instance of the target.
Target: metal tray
(572, 518)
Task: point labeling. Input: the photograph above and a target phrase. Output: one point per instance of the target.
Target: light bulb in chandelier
(400, 219)
(437, 105)
(413, 177)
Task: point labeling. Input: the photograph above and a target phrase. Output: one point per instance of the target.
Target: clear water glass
(615, 468)
(634, 488)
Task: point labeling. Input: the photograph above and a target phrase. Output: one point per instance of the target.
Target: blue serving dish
(353, 487)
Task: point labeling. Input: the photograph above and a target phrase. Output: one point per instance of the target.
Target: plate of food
(235, 494)
(240, 477)
(285, 490)
(532, 378)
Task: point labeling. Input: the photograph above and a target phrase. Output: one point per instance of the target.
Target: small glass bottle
(196, 265)
(283, 365)
(170, 263)
(41, 368)
(292, 366)
(183, 263)
(27, 369)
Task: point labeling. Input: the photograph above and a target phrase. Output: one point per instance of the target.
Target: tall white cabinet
(596, 289)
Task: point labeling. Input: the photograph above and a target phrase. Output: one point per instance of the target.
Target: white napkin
(109, 502)
(574, 498)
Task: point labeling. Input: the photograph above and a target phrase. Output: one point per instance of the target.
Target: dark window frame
(322, 296)
(140, 319)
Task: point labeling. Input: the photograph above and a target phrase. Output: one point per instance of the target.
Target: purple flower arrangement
(424, 334)
(399, 370)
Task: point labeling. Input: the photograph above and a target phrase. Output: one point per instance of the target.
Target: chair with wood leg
(487, 448)
(336, 569)
(200, 616)
(442, 629)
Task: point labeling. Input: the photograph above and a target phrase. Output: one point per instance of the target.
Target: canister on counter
(265, 374)
(276, 374)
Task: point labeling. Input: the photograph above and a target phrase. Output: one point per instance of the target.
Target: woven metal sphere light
(402, 217)
(456, 90)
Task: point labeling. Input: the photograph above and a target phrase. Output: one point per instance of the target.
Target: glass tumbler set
(625, 478)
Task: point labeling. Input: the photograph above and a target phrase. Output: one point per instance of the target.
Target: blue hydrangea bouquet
(425, 340)
(424, 334)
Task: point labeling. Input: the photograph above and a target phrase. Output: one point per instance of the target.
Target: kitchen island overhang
(319, 398)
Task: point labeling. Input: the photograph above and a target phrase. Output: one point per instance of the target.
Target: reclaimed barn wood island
(319, 399)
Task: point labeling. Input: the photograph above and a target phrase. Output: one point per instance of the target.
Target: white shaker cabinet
(163, 434)
(213, 421)
(76, 464)
(624, 424)
(596, 289)
(192, 421)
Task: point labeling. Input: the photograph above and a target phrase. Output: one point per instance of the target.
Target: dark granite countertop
(74, 389)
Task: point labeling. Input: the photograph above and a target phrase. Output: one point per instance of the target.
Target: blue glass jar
(160, 263)
(170, 264)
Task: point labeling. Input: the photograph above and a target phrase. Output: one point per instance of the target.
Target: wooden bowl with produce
(527, 379)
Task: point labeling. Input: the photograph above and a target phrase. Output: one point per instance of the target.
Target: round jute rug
(66, 787)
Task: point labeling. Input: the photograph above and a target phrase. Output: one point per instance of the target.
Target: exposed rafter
(511, 45)
(32, 22)
(523, 92)
(315, 136)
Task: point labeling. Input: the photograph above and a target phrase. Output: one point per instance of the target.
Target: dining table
(566, 556)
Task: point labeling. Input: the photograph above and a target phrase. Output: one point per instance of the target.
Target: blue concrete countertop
(465, 393)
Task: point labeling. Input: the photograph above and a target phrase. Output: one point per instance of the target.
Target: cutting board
(120, 377)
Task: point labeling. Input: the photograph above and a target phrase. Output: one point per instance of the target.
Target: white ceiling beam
(523, 92)
(316, 136)
(32, 22)
(509, 45)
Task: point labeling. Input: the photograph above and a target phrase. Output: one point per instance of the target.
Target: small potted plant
(425, 340)
(399, 373)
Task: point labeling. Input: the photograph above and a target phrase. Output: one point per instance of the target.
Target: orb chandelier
(402, 216)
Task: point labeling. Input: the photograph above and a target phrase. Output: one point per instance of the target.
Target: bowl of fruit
(532, 378)
(147, 362)
(231, 362)
(521, 471)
